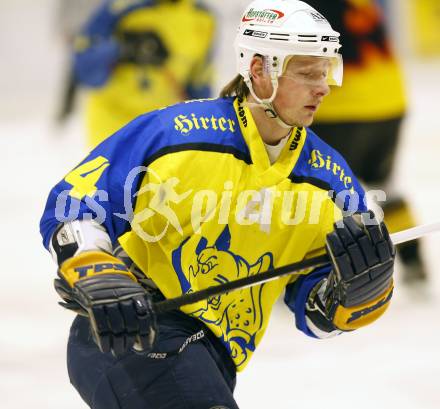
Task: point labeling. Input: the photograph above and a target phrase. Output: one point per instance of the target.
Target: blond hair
(236, 87)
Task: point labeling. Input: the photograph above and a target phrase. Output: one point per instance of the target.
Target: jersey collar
(288, 158)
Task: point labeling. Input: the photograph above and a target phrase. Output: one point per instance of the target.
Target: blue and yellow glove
(360, 286)
(121, 312)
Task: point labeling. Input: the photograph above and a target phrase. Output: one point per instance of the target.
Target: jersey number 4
(85, 177)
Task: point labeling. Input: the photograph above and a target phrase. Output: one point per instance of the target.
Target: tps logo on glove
(84, 271)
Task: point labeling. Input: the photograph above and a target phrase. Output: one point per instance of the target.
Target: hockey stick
(272, 274)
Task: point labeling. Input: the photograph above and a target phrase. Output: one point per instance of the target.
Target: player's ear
(257, 68)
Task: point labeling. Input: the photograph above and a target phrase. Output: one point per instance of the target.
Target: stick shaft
(414, 233)
(290, 269)
(191, 298)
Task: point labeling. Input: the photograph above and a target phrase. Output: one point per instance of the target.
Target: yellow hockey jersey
(190, 194)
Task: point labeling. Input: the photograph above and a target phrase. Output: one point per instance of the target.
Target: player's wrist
(77, 236)
(92, 263)
(317, 317)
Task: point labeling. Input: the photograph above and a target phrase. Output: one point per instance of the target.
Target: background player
(363, 119)
(136, 56)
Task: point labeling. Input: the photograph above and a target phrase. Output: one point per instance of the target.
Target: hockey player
(70, 18)
(203, 193)
(136, 56)
(362, 120)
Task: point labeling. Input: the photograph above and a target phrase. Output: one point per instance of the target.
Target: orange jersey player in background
(363, 118)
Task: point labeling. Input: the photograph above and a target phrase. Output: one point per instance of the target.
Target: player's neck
(271, 132)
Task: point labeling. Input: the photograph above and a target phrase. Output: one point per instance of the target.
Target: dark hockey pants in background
(202, 376)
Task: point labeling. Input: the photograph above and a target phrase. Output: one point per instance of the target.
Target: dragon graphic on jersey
(241, 312)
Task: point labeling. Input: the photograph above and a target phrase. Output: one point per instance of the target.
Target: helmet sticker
(253, 33)
(267, 16)
(266, 65)
(329, 38)
(318, 17)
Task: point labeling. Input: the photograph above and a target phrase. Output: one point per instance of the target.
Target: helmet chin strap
(267, 103)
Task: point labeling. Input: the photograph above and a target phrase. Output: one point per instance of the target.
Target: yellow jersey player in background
(363, 119)
(203, 193)
(138, 55)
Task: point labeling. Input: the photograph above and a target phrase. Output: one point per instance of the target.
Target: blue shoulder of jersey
(103, 186)
(207, 124)
(324, 167)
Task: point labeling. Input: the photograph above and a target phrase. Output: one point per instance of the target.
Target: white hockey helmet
(277, 29)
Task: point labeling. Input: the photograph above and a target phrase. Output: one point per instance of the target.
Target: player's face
(302, 87)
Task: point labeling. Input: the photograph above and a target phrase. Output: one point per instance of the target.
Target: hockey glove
(360, 285)
(121, 312)
(96, 50)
